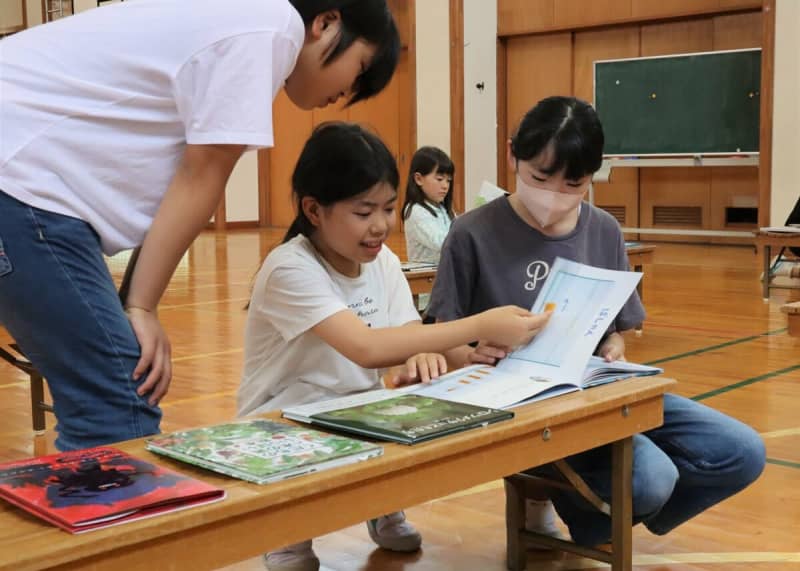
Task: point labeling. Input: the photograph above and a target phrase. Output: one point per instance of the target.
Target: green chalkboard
(689, 104)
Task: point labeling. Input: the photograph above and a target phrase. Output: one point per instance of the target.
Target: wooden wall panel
(733, 187)
(737, 31)
(674, 187)
(736, 4)
(580, 13)
(13, 16)
(687, 36)
(292, 128)
(536, 67)
(670, 8)
(523, 16)
(622, 191)
(590, 46)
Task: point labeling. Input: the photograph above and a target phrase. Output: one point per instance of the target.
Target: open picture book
(262, 451)
(585, 301)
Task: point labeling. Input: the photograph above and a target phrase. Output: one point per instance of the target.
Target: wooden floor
(707, 327)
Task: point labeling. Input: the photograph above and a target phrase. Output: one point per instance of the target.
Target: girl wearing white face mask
(501, 254)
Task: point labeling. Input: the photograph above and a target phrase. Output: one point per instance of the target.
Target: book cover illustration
(411, 417)
(98, 487)
(261, 450)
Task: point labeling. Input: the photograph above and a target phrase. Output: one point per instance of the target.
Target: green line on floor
(784, 463)
(714, 347)
(745, 382)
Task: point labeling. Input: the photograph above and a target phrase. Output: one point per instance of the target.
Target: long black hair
(339, 161)
(425, 161)
(573, 128)
(369, 20)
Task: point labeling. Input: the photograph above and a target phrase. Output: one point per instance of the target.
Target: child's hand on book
(510, 326)
(422, 367)
(613, 348)
(487, 354)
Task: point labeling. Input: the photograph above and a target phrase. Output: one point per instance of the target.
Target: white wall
(433, 73)
(480, 106)
(786, 118)
(241, 194)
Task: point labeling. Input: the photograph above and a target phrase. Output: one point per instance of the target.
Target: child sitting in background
(330, 306)
(428, 207)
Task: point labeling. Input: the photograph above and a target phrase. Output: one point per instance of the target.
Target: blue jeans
(58, 301)
(696, 459)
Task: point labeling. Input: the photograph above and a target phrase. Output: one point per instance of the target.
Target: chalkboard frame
(614, 148)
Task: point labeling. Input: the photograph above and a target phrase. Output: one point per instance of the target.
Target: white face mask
(547, 206)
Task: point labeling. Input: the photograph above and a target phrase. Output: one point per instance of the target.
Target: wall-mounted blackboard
(693, 104)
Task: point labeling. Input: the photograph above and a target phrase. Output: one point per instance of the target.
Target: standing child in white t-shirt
(120, 128)
(330, 306)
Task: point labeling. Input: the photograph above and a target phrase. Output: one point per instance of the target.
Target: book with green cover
(406, 418)
(262, 451)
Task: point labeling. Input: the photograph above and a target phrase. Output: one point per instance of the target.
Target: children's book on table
(396, 416)
(262, 451)
(584, 301)
(83, 490)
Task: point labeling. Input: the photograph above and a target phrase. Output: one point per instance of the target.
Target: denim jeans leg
(59, 303)
(654, 478)
(716, 456)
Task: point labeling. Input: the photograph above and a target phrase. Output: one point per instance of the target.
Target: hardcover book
(262, 451)
(407, 418)
(99, 487)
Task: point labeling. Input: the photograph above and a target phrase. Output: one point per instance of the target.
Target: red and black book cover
(98, 487)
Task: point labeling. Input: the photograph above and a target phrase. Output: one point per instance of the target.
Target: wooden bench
(254, 519)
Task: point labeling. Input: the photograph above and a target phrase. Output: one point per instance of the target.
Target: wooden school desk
(254, 519)
(638, 256)
(765, 241)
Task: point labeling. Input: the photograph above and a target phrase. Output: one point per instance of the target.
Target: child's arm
(188, 204)
(387, 346)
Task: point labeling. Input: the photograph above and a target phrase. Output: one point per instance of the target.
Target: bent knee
(652, 488)
(751, 457)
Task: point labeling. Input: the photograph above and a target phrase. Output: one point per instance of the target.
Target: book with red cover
(99, 487)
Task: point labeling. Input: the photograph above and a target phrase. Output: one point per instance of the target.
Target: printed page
(483, 385)
(585, 300)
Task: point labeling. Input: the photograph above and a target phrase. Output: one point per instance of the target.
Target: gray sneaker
(295, 557)
(394, 533)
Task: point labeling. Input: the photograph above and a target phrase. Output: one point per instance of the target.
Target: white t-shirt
(96, 109)
(285, 363)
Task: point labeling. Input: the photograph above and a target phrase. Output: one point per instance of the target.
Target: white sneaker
(295, 557)
(540, 517)
(394, 533)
